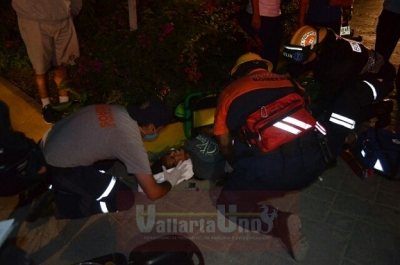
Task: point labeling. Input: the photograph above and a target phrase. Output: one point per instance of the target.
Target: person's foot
(287, 228)
(49, 114)
(43, 207)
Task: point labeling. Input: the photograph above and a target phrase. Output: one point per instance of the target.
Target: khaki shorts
(49, 44)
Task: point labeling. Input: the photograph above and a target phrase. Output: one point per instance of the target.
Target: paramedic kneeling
(334, 62)
(259, 173)
(75, 148)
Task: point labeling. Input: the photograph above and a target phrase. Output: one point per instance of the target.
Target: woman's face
(171, 159)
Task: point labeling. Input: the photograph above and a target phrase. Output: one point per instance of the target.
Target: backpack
(20, 160)
(279, 122)
(379, 149)
(208, 162)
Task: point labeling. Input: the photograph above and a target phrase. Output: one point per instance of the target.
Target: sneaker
(49, 114)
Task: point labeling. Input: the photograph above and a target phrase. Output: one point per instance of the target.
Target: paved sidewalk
(348, 221)
(26, 115)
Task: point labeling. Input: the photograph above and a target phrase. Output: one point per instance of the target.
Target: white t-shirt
(95, 133)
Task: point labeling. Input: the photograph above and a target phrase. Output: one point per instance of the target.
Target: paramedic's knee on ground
(85, 191)
(356, 96)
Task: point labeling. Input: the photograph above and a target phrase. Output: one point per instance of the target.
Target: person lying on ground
(201, 153)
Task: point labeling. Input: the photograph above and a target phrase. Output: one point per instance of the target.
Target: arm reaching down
(155, 190)
(226, 148)
(151, 188)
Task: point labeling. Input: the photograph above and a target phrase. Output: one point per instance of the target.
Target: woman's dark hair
(152, 111)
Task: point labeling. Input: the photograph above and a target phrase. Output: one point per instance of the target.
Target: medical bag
(379, 149)
(198, 109)
(279, 122)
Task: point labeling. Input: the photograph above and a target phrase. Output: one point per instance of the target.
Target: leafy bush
(12, 50)
(180, 46)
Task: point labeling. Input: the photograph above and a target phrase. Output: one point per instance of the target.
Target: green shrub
(180, 46)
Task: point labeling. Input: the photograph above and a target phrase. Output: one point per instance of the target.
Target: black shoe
(383, 120)
(380, 110)
(29, 195)
(43, 207)
(384, 106)
(49, 114)
(384, 110)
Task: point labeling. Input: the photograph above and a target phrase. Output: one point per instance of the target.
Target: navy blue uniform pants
(294, 166)
(85, 191)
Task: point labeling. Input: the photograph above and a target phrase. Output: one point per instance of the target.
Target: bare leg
(47, 112)
(41, 82)
(60, 73)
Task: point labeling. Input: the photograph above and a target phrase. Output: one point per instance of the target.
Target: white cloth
(159, 177)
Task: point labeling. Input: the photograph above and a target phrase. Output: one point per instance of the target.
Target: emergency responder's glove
(175, 175)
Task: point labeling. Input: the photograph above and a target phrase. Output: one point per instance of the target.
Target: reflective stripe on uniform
(342, 120)
(294, 48)
(109, 188)
(372, 88)
(320, 128)
(103, 207)
(378, 165)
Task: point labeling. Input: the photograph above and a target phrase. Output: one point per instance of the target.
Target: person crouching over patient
(77, 147)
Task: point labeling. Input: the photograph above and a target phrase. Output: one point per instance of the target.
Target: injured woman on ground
(200, 153)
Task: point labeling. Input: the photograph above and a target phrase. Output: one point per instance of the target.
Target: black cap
(153, 111)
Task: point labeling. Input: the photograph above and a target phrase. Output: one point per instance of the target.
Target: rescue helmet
(249, 61)
(304, 41)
